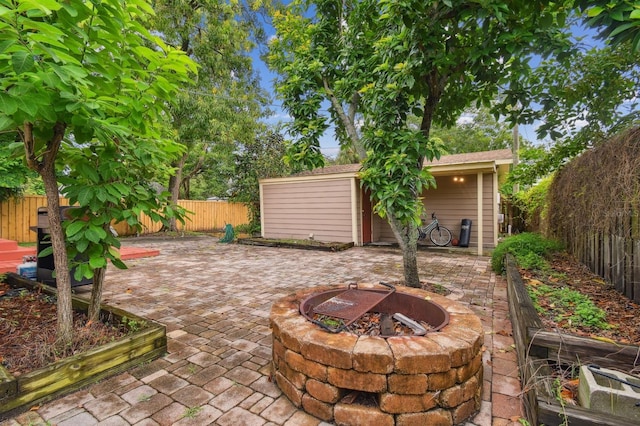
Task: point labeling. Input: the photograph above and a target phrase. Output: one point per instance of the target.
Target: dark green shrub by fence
(529, 249)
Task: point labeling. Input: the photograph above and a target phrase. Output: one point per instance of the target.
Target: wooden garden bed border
(276, 243)
(73, 373)
(535, 347)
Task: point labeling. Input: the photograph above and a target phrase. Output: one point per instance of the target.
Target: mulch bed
(28, 331)
(621, 312)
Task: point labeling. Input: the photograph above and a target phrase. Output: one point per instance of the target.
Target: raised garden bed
(72, 373)
(298, 244)
(538, 350)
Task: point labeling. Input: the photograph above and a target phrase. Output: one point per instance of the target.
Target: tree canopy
(86, 78)
(223, 106)
(431, 59)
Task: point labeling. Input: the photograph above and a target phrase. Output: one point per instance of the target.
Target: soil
(621, 312)
(28, 331)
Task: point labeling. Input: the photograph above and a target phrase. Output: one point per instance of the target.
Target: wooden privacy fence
(17, 216)
(614, 258)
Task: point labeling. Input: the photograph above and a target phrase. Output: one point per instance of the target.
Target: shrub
(529, 249)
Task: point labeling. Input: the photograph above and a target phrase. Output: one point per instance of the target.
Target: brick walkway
(215, 301)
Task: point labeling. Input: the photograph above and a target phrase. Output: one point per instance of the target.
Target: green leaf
(45, 6)
(8, 105)
(621, 28)
(595, 11)
(85, 195)
(28, 105)
(97, 262)
(74, 227)
(118, 263)
(22, 62)
(5, 123)
(94, 234)
(46, 252)
(81, 245)
(5, 44)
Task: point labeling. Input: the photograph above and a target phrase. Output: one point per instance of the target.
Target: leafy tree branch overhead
(390, 60)
(80, 80)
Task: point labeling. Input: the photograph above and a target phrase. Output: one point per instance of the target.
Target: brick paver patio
(215, 301)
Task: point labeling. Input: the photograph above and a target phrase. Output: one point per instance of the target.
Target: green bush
(529, 249)
(248, 228)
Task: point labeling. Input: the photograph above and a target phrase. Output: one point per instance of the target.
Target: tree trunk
(347, 119)
(60, 259)
(408, 240)
(96, 294)
(174, 187)
(45, 164)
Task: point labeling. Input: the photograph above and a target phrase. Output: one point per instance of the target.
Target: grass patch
(567, 306)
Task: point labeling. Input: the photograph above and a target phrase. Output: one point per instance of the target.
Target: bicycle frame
(424, 230)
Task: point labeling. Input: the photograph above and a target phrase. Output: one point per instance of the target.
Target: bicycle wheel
(440, 236)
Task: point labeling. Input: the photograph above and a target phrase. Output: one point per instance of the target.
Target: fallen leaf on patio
(504, 333)
(515, 419)
(34, 408)
(128, 291)
(427, 298)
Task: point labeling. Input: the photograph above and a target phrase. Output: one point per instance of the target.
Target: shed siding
(297, 209)
(453, 201)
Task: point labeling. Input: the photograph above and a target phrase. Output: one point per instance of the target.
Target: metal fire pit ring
(373, 300)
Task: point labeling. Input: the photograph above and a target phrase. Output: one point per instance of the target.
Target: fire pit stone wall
(362, 380)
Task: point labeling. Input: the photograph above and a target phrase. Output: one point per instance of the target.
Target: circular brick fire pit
(365, 380)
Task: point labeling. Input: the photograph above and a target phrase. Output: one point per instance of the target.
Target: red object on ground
(11, 254)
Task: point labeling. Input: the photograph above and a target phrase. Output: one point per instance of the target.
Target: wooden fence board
(18, 215)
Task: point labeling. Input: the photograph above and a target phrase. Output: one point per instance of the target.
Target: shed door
(366, 216)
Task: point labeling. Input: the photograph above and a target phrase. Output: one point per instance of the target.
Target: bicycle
(438, 234)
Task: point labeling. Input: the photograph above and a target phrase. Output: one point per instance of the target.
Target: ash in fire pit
(435, 378)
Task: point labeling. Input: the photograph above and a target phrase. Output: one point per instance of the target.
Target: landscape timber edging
(70, 374)
(284, 244)
(535, 347)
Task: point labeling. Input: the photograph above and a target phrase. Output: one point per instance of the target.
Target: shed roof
(500, 156)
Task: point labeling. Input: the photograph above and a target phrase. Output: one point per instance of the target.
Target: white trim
(261, 211)
(496, 208)
(480, 217)
(354, 212)
(295, 179)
